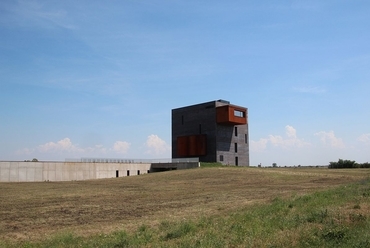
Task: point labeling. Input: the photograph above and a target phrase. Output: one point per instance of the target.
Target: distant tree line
(33, 160)
(347, 164)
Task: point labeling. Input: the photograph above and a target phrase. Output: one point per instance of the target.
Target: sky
(98, 79)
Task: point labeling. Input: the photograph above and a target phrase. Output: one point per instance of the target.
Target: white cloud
(156, 145)
(65, 148)
(365, 138)
(121, 147)
(62, 145)
(289, 142)
(329, 138)
(290, 132)
(258, 146)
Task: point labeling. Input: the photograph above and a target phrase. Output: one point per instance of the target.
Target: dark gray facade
(214, 131)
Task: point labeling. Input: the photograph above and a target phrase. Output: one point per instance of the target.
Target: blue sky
(99, 78)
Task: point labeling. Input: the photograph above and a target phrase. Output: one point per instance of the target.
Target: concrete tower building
(214, 131)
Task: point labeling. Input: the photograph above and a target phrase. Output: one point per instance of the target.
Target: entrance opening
(138, 172)
(128, 173)
(117, 173)
(236, 161)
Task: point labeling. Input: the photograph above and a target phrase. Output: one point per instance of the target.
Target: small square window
(221, 157)
(239, 113)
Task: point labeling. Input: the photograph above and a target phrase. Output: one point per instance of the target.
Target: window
(236, 147)
(236, 161)
(221, 157)
(246, 138)
(236, 131)
(239, 113)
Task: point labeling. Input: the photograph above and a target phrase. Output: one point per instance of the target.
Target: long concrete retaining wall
(67, 171)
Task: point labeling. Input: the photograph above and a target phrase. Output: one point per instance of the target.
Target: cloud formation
(289, 142)
(156, 145)
(67, 148)
(60, 146)
(364, 138)
(258, 146)
(121, 147)
(329, 139)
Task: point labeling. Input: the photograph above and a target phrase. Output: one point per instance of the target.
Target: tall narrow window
(221, 157)
(236, 147)
(246, 138)
(236, 131)
(236, 161)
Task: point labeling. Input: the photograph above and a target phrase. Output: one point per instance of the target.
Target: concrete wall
(67, 171)
(174, 166)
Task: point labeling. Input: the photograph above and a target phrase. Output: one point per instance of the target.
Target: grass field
(204, 207)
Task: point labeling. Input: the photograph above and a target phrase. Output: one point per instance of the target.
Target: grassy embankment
(249, 208)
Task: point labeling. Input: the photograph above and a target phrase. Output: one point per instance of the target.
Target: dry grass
(33, 211)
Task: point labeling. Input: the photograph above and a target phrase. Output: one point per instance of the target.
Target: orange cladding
(192, 145)
(231, 115)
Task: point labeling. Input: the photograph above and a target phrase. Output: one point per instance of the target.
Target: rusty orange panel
(192, 145)
(182, 146)
(231, 115)
(202, 145)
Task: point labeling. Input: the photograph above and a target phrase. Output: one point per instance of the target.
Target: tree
(343, 164)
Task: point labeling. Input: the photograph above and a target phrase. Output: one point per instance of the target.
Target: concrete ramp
(158, 167)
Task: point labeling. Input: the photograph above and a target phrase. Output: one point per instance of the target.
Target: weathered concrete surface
(67, 171)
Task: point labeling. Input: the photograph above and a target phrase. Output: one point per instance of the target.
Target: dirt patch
(31, 211)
